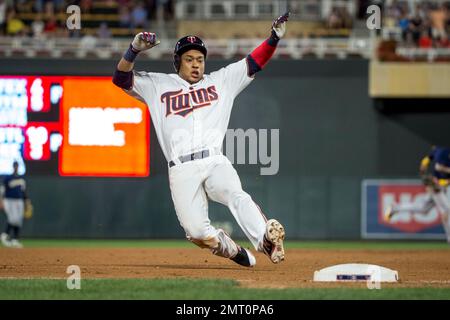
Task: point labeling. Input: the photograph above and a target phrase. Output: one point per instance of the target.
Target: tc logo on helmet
(191, 39)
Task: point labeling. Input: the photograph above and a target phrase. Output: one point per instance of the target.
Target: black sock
(8, 229)
(16, 231)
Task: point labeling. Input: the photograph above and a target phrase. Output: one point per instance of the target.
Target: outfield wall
(332, 136)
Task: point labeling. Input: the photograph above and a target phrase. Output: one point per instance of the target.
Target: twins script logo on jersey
(182, 104)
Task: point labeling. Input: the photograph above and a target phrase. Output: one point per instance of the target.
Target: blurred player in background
(190, 112)
(14, 201)
(435, 174)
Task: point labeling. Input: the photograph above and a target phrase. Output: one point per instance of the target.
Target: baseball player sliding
(436, 183)
(190, 111)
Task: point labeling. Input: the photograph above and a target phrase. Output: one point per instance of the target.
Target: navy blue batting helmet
(185, 44)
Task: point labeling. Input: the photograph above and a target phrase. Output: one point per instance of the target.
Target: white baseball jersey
(190, 117)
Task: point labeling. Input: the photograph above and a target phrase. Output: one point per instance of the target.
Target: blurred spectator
(103, 31)
(443, 42)
(2, 17)
(49, 8)
(427, 29)
(19, 5)
(421, 11)
(416, 26)
(14, 26)
(139, 16)
(390, 18)
(425, 41)
(424, 23)
(38, 6)
(51, 26)
(55, 28)
(86, 6)
(338, 18)
(37, 27)
(403, 23)
(61, 6)
(409, 41)
(447, 24)
(293, 6)
(334, 19)
(438, 18)
(124, 17)
(88, 42)
(346, 18)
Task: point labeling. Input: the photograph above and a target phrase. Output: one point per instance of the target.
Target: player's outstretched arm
(123, 77)
(262, 54)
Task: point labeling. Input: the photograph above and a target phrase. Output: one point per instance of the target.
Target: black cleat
(244, 258)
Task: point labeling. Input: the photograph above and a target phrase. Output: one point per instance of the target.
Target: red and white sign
(378, 195)
(407, 221)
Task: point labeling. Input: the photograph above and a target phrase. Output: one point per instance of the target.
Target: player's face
(192, 66)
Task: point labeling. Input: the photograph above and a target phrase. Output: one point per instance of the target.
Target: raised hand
(279, 25)
(144, 41)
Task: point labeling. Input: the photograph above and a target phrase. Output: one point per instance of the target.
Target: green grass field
(357, 245)
(186, 289)
(205, 289)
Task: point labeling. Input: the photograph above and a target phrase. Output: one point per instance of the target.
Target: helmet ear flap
(176, 62)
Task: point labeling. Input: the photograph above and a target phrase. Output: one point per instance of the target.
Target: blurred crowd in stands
(40, 18)
(424, 25)
(47, 18)
(339, 18)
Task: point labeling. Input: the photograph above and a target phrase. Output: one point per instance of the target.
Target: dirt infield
(417, 268)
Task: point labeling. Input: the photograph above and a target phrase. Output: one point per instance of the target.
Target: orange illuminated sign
(106, 132)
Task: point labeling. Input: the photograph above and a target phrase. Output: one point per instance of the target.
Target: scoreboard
(72, 126)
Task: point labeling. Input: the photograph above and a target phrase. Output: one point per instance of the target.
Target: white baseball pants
(443, 205)
(14, 209)
(193, 182)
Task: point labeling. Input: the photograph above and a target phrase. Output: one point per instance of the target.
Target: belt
(193, 156)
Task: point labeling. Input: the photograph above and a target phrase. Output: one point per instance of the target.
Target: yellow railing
(409, 79)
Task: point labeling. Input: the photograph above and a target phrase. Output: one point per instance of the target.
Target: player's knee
(201, 236)
(196, 232)
(209, 243)
(202, 240)
(15, 222)
(239, 197)
(195, 235)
